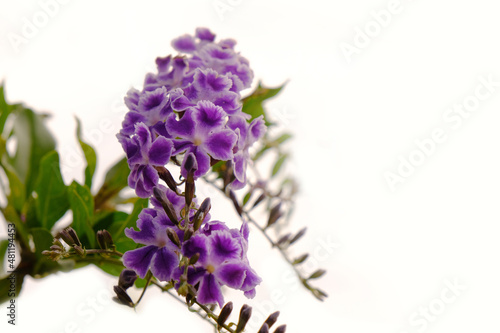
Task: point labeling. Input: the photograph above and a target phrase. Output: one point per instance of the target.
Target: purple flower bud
(122, 296)
(273, 317)
(167, 205)
(172, 235)
(224, 314)
(127, 278)
(245, 313)
(280, 329)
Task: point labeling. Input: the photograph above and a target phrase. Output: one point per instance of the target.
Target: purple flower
(208, 85)
(222, 262)
(201, 131)
(248, 134)
(159, 255)
(143, 153)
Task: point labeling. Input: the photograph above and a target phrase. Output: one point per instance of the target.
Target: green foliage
(52, 199)
(33, 141)
(82, 205)
(37, 198)
(89, 153)
(252, 104)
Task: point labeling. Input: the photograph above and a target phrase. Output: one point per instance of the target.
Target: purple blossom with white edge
(220, 57)
(248, 134)
(222, 262)
(144, 153)
(159, 255)
(201, 131)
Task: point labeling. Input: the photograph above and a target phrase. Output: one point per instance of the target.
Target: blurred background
(394, 110)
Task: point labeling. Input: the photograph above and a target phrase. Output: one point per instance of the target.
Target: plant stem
(208, 312)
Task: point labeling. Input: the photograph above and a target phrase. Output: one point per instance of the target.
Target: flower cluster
(192, 105)
(191, 250)
(190, 113)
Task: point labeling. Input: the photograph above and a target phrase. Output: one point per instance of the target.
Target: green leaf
(282, 138)
(116, 230)
(111, 267)
(42, 238)
(12, 216)
(106, 219)
(279, 163)
(52, 201)
(17, 195)
(90, 155)
(5, 109)
(252, 104)
(33, 142)
(114, 182)
(82, 205)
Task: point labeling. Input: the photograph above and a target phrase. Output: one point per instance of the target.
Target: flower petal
(164, 263)
(209, 291)
(208, 117)
(231, 274)
(223, 247)
(183, 128)
(196, 244)
(220, 145)
(160, 151)
(140, 259)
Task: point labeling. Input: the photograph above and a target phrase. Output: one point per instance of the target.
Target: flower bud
(104, 239)
(300, 259)
(188, 233)
(201, 213)
(280, 329)
(172, 235)
(224, 314)
(273, 317)
(127, 278)
(79, 250)
(264, 328)
(274, 215)
(167, 205)
(259, 200)
(122, 296)
(298, 235)
(194, 259)
(167, 177)
(245, 313)
(236, 204)
(74, 236)
(317, 274)
(69, 236)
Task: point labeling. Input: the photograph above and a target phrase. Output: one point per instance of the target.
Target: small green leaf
(17, 193)
(252, 104)
(52, 201)
(42, 238)
(5, 109)
(247, 197)
(117, 229)
(282, 138)
(89, 153)
(33, 142)
(111, 267)
(114, 182)
(82, 205)
(279, 163)
(317, 274)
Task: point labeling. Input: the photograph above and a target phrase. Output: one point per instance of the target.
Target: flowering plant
(188, 121)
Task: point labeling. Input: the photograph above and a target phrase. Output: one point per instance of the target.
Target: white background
(353, 118)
